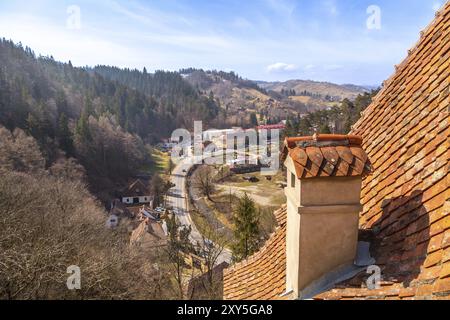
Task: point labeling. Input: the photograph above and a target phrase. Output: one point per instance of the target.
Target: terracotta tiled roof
(406, 199)
(327, 156)
(263, 275)
(148, 234)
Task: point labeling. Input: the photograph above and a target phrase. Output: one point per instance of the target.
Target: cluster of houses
(148, 224)
(136, 204)
(137, 193)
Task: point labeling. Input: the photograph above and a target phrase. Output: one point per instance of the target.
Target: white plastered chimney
(324, 175)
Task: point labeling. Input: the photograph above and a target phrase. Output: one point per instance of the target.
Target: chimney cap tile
(327, 155)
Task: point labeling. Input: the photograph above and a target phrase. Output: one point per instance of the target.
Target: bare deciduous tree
(49, 224)
(179, 246)
(68, 169)
(19, 152)
(204, 181)
(209, 285)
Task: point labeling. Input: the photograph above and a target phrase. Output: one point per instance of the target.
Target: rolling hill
(327, 90)
(271, 101)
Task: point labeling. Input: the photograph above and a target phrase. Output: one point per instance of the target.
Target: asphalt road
(178, 201)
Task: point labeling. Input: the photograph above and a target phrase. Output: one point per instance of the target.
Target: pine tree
(253, 119)
(291, 128)
(47, 125)
(82, 130)
(178, 245)
(64, 135)
(34, 127)
(246, 220)
(304, 127)
(325, 129)
(61, 103)
(88, 107)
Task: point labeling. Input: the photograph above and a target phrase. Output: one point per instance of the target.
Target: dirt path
(251, 191)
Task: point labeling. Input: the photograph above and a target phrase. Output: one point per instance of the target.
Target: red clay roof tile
(406, 199)
(327, 156)
(263, 275)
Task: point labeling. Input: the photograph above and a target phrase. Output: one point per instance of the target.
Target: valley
(101, 132)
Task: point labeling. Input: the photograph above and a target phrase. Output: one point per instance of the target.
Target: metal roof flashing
(340, 274)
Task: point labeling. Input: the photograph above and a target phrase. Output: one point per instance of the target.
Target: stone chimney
(324, 175)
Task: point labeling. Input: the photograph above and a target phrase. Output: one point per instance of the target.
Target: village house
(137, 193)
(280, 126)
(367, 215)
(151, 232)
(118, 212)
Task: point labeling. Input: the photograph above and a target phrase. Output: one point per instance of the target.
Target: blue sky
(275, 40)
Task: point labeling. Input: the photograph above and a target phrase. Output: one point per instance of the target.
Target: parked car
(252, 179)
(160, 210)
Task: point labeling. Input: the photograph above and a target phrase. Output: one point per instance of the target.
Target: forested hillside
(151, 105)
(49, 221)
(103, 124)
(325, 90)
(177, 100)
(68, 133)
(103, 119)
(338, 119)
(243, 103)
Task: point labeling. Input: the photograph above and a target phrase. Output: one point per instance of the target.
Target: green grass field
(160, 163)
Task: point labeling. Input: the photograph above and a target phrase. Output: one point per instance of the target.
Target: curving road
(178, 200)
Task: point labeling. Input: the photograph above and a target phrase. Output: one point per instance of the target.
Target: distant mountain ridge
(272, 101)
(338, 92)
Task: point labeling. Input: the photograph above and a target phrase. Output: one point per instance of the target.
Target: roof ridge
(385, 85)
(405, 200)
(350, 139)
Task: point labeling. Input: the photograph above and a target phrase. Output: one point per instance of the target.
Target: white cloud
(171, 29)
(171, 39)
(281, 67)
(59, 41)
(150, 17)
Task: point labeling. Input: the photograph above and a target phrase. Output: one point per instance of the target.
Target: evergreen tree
(324, 129)
(304, 127)
(178, 245)
(253, 119)
(82, 130)
(61, 103)
(33, 126)
(64, 135)
(246, 220)
(88, 107)
(291, 128)
(46, 122)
